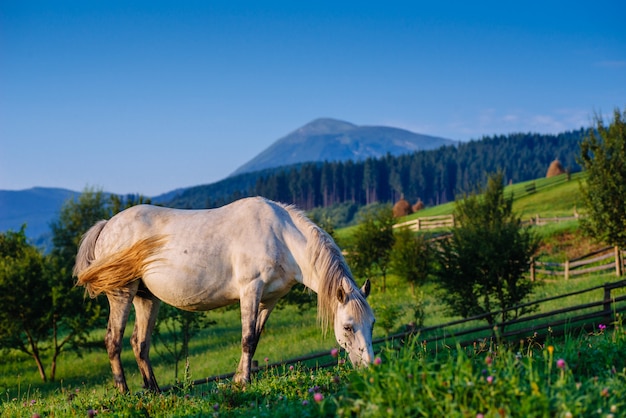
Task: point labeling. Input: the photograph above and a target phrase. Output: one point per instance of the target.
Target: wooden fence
(608, 258)
(428, 222)
(603, 304)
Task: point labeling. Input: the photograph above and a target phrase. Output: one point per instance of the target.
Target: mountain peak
(327, 139)
(322, 126)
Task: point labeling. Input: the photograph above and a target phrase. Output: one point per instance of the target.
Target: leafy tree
(603, 156)
(179, 326)
(482, 266)
(372, 242)
(25, 297)
(411, 257)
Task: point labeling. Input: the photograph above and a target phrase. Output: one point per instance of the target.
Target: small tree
(174, 330)
(372, 243)
(482, 267)
(25, 297)
(603, 157)
(411, 257)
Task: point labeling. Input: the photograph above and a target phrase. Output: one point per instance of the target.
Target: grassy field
(84, 379)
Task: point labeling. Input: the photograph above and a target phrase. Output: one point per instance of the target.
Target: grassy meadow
(579, 375)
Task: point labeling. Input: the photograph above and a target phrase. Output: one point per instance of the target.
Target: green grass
(579, 375)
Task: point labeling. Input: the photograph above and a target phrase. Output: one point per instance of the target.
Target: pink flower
(479, 415)
(378, 360)
(267, 359)
(488, 360)
(560, 363)
(490, 379)
(318, 397)
(291, 367)
(334, 352)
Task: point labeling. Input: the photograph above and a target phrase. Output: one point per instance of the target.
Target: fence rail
(428, 222)
(466, 332)
(572, 267)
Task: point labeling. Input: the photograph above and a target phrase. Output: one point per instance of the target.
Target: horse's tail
(86, 255)
(116, 270)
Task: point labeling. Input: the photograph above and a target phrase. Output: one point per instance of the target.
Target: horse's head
(354, 322)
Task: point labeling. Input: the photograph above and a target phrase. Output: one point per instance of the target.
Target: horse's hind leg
(146, 310)
(119, 308)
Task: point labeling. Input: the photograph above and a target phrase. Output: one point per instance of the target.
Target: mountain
(36, 207)
(334, 140)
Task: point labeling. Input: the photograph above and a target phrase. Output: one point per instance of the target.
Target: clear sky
(149, 96)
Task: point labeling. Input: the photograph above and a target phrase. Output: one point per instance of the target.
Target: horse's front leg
(119, 308)
(146, 311)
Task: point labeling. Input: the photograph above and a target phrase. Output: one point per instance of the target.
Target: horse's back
(208, 255)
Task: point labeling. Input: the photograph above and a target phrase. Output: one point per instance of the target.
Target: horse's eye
(347, 328)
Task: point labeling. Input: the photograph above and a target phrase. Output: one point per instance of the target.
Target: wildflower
(604, 393)
(490, 379)
(378, 360)
(601, 327)
(291, 367)
(560, 363)
(568, 414)
(318, 397)
(91, 413)
(336, 379)
(267, 359)
(550, 349)
(33, 402)
(488, 360)
(334, 352)
(613, 408)
(216, 407)
(305, 402)
(36, 415)
(479, 415)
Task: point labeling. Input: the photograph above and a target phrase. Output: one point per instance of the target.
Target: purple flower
(91, 413)
(216, 407)
(378, 360)
(305, 402)
(601, 327)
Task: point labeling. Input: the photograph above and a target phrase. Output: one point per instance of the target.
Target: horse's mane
(331, 269)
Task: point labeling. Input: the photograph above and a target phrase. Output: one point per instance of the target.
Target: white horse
(251, 251)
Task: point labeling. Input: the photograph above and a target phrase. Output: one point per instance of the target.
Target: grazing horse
(251, 251)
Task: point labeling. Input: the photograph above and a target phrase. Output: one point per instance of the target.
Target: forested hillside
(434, 177)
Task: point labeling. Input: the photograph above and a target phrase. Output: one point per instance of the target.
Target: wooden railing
(590, 263)
(428, 222)
(603, 309)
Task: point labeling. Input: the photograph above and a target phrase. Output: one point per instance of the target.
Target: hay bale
(419, 205)
(555, 169)
(402, 208)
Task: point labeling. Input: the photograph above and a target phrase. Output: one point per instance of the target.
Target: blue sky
(149, 96)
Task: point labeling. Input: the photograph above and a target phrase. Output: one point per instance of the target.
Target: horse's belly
(191, 290)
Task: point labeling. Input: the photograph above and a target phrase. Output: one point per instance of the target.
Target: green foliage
(411, 257)
(25, 297)
(372, 243)
(174, 330)
(482, 267)
(603, 156)
(494, 380)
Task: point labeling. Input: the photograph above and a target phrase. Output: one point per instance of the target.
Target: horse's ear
(365, 290)
(341, 295)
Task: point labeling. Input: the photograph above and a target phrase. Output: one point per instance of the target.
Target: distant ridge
(327, 139)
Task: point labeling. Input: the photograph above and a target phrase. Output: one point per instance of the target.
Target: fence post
(418, 223)
(607, 300)
(566, 269)
(532, 269)
(618, 261)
